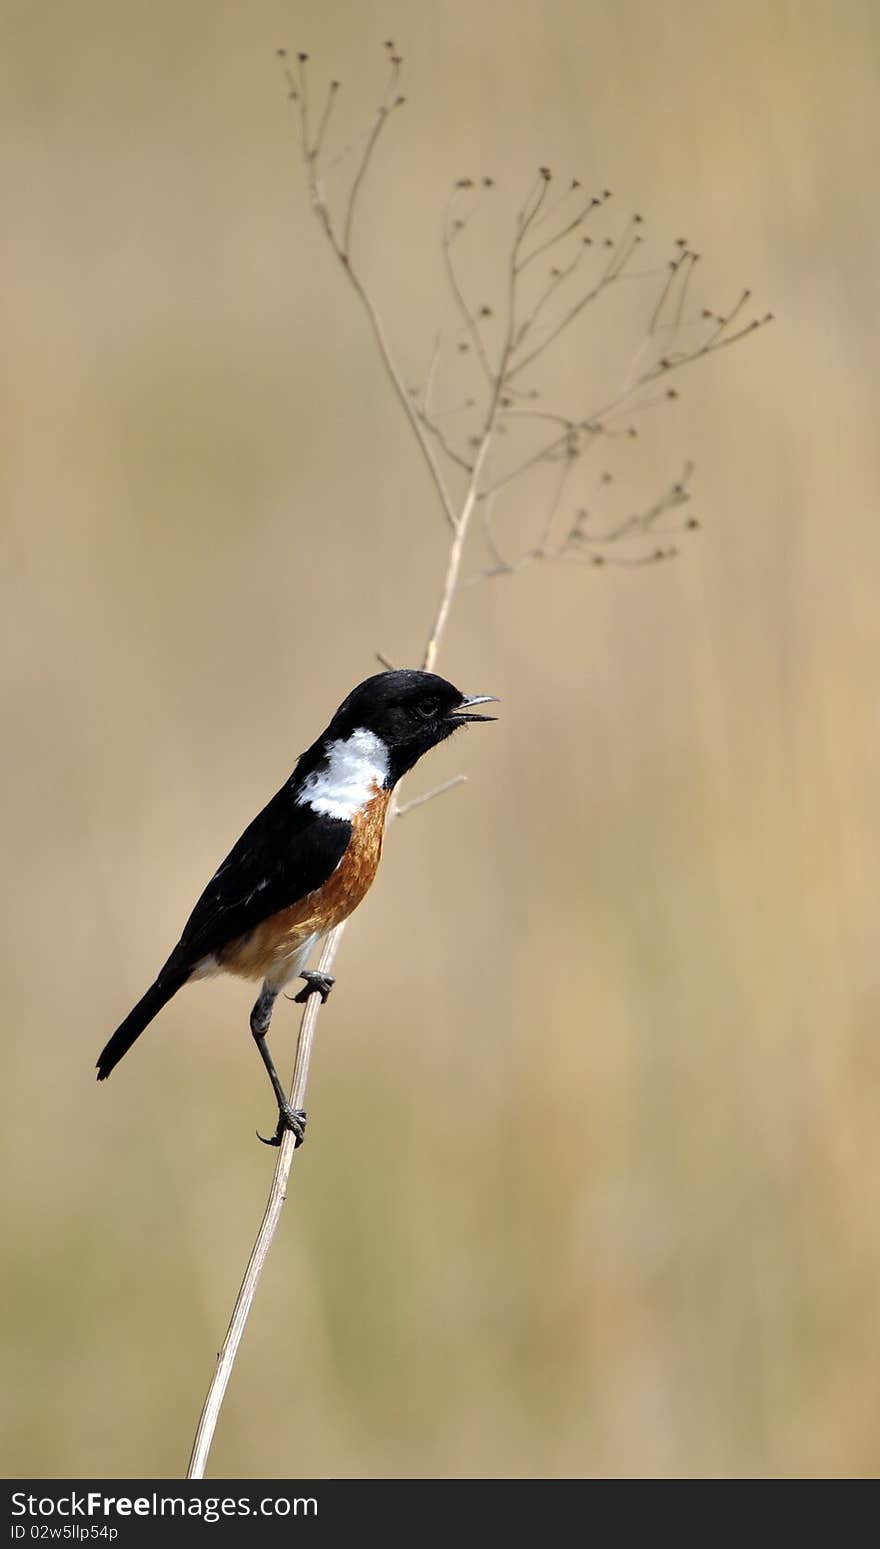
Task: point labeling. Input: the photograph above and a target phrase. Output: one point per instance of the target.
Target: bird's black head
(409, 711)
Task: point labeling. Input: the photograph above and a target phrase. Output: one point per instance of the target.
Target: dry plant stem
(458, 508)
(278, 1190)
(456, 550)
(459, 521)
(419, 801)
(277, 1194)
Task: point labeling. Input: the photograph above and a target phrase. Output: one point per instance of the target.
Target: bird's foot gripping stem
(316, 984)
(289, 1118)
(294, 1119)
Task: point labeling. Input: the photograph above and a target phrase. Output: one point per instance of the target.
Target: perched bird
(306, 860)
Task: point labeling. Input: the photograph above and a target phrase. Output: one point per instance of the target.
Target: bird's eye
(427, 708)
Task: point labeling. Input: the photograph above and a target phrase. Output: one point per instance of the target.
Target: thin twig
(470, 321)
(553, 507)
(437, 790)
(725, 322)
(472, 493)
(489, 533)
(541, 550)
(544, 247)
(379, 123)
(443, 442)
(332, 90)
(671, 275)
(641, 522)
(453, 566)
(683, 288)
(342, 252)
(277, 1195)
(557, 277)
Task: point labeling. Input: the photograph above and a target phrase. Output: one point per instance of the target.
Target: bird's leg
(316, 984)
(288, 1117)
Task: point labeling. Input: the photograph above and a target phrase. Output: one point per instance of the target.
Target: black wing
(286, 852)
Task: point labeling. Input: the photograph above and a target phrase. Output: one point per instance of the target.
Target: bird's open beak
(475, 699)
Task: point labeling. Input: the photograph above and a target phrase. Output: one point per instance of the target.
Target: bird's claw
(293, 1119)
(316, 984)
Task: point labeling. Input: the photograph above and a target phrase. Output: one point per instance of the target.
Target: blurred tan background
(593, 1173)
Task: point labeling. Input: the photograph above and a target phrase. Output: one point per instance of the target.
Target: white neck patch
(347, 780)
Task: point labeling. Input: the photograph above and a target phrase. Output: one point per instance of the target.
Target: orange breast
(266, 951)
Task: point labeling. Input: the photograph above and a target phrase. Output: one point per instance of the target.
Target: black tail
(157, 996)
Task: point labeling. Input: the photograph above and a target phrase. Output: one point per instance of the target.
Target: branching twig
(450, 231)
(559, 236)
(594, 423)
(443, 442)
(342, 250)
